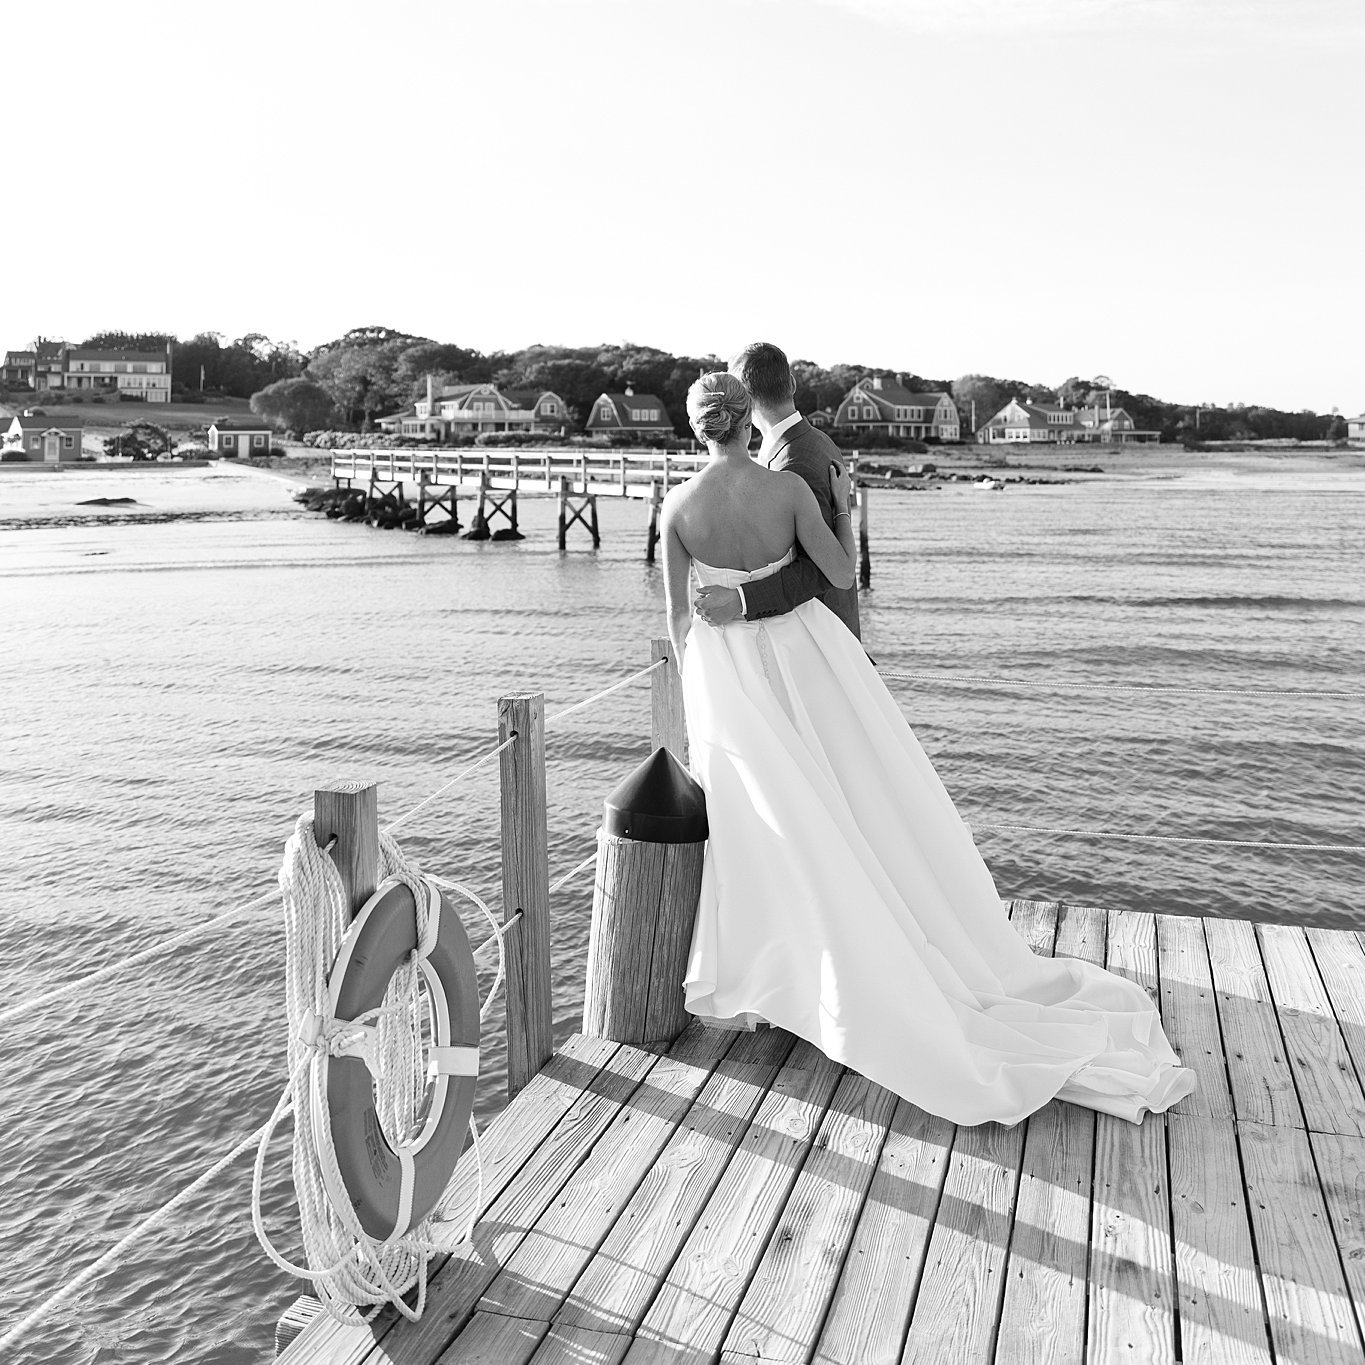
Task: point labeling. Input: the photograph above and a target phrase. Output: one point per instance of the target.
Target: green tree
(295, 405)
(989, 395)
(141, 441)
(128, 341)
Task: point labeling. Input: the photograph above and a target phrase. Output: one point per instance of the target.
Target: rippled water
(174, 691)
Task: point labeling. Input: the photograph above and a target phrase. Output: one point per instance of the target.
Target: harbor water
(173, 690)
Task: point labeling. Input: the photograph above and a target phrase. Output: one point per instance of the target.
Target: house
(635, 414)
(886, 407)
(821, 418)
(1056, 423)
(142, 375)
(467, 409)
(239, 437)
(19, 369)
(44, 440)
(1018, 421)
(1355, 428)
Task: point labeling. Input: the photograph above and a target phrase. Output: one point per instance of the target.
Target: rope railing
(975, 680)
(606, 691)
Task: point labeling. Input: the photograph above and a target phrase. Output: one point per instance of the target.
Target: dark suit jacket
(805, 451)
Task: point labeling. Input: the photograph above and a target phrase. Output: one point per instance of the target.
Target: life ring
(393, 1189)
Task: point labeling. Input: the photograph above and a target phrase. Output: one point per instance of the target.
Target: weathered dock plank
(1132, 1297)
(783, 1307)
(1189, 1013)
(581, 1346)
(1042, 1317)
(1340, 958)
(1311, 1316)
(1222, 1312)
(1328, 1086)
(537, 1277)
(692, 1312)
(1262, 1084)
(490, 1339)
(1341, 1171)
(881, 1274)
(615, 1289)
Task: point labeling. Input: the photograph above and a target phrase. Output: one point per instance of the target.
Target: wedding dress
(844, 900)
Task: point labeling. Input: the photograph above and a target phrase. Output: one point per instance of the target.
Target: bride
(842, 897)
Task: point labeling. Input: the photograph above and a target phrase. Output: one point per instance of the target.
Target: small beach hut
(237, 437)
(44, 440)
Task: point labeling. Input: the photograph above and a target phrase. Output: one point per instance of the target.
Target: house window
(35, 442)
(229, 442)
(551, 407)
(604, 414)
(67, 442)
(258, 440)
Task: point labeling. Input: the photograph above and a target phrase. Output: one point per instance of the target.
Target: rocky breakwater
(389, 512)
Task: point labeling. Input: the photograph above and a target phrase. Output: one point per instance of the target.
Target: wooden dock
(738, 1197)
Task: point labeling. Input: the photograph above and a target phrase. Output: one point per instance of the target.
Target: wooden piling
(350, 812)
(563, 513)
(644, 906)
(525, 885)
(652, 538)
(668, 723)
(592, 513)
(864, 556)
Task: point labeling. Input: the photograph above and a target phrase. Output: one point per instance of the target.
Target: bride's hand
(840, 486)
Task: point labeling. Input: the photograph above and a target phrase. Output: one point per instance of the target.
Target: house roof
(892, 395)
(409, 411)
(15, 357)
(526, 398)
(238, 424)
(47, 423)
(623, 402)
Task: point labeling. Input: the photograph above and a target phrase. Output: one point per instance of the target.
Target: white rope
(346, 1268)
(1168, 838)
(574, 871)
(606, 691)
(113, 1254)
(970, 680)
(446, 786)
(165, 945)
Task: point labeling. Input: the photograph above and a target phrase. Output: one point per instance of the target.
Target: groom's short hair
(764, 371)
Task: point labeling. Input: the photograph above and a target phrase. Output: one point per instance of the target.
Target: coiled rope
(347, 1269)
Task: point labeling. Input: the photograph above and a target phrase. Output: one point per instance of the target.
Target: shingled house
(885, 407)
(635, 414)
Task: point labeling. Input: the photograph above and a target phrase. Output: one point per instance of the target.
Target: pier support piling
(668, 723)
(525, 885)
(652, 538)
(864, 555)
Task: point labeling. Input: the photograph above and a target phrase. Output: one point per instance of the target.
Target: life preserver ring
(393, 1189)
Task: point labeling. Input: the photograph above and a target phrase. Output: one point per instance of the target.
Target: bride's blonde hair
(717, 405)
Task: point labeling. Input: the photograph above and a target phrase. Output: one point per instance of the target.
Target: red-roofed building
(886, 407)
(635, 414)
(239, 437)
(44, 440)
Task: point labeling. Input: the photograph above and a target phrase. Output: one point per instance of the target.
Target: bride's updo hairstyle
(717, 405)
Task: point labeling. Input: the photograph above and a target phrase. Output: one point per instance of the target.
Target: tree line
(370, 372)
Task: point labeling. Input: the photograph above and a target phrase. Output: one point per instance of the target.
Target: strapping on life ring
(393, 1189)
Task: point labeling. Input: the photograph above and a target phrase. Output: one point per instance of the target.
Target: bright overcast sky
(1165, 191)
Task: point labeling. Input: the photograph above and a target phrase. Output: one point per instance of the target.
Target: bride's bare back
(736, 515)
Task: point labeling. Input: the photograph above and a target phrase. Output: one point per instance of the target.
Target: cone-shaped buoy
(659, 803)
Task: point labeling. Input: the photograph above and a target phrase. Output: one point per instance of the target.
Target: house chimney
(630, 391)
(431, 401)
(876, 381)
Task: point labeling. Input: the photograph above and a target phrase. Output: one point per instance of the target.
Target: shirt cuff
(743, 605)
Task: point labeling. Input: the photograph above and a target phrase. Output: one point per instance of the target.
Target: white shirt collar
(770, 440)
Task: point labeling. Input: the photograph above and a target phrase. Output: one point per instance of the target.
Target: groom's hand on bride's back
(717, 605)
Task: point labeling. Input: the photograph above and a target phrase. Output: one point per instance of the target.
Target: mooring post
(648, 883)
(592, 513)
(350, 812)
(668, 722)
(864, 556)
(563, 512)
(652, 539)
(525, 885)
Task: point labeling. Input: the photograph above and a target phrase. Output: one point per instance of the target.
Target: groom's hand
(716, 605)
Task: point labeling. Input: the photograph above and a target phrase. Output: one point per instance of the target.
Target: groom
(789, 442)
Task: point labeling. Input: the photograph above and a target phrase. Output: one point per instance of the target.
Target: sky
(1167, 192)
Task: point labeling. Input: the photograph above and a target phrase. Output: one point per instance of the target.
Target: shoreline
(35, 496)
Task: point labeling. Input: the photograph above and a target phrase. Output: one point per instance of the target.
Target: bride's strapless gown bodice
(843, 898)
